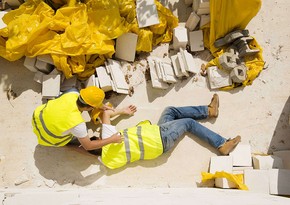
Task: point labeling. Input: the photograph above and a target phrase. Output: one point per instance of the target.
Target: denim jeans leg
(172, 130)
(173, 113)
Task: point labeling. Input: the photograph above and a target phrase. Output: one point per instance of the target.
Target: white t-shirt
(79, 131)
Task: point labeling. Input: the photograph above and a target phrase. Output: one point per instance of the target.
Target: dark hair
(81, 103)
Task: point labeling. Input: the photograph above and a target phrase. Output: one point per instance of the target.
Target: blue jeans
(175, 121)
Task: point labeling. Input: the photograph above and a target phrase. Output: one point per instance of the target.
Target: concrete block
(240, 170)
(218, 78)
(196, 40)
(180, 38)
(221, 163)
(267, 162)
(192, 21)
(90, 81)
(285, 156)
(239, 73)
(189, 63)
(97, 82)
(224, 183)
(126, 46)
(204, 4)
(46, 58)
(156, 82)
(229, 61)
(195, 5)
(117, 74)
(68, 84)
(182, 64)
(176, 66)
(29, 63)
(146, 12)
(242, 155)
(38, 77)
(104, 79)
(2, 24)
(257, 180)
(279, 181)
(43, 66)
(203, 11)
(231, 37)
(204, 19)
(168, 73)
(50, 86)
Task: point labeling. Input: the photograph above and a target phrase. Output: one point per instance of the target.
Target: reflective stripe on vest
(67, 137)
(127, 144)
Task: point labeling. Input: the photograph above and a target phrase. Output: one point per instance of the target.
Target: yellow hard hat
(93, 96)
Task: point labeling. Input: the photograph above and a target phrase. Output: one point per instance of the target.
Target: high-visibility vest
(52, 119)
(140, 142)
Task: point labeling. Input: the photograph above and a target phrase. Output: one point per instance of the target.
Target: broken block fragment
(218, 78)
(192, 21)
(43, 66)
(180, 38)
(189, 63)
(204, 19)
(239, 73)
(50, 86)
(156, 82)
(146, 12)
(29, 63)
(196, 40)
(126, 46)
(176, 66)
(229, 61)
(104, 79)
(230, 37)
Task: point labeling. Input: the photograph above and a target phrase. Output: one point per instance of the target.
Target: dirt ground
(260, 113)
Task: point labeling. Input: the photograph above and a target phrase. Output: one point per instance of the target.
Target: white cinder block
(43, 66)
(46, 58)
(38, 77)
(90, 81)
(267, 162)
(176, 66)
(221, 163)
(156, 82)
(279, 181)
(189, 63)
(50, 86)
(97, 82)
(204, 19)
(117, 74)
(242, 155)
(224, 183)
(203, 3)
(68, 84)
(168, 73)
(182, 64)
(196, 40)
(240, 170)
(126, 46)
(29, 63)
(146, 12)
(2, 24)
(218, 78)
(203, 11)
(195, 5)
(192, 21)
(180, 38)
(285, 156)
(104, 79)
(257, 180)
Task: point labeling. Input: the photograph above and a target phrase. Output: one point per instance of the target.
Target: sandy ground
(259, 113)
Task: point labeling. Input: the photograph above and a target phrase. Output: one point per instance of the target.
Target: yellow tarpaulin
(81, 36)
(227, 16)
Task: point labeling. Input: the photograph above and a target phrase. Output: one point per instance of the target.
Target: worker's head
(91, 97)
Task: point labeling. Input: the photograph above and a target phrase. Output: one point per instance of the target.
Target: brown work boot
(213, 107)
(229, 145)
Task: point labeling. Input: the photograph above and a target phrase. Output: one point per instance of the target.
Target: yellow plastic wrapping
(78, 36)
(235, 178)
(227, 16)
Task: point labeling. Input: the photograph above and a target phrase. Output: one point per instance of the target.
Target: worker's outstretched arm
(108, 114)
(87, 144)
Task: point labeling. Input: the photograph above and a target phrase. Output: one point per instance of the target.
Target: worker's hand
(130, 110)
(117, 138)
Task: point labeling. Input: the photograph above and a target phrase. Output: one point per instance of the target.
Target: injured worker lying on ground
(146, 141)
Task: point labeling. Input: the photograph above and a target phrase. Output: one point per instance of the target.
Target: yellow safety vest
(55, 117)
(140, 142)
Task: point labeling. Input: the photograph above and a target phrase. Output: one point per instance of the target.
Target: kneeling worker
(59, 120)
(147, 141)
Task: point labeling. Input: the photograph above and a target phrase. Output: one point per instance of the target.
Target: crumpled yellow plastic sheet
(238, 179)
(227, 16)
(81, 36)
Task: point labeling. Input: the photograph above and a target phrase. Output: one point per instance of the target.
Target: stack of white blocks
(269, 174)
(111, 77)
